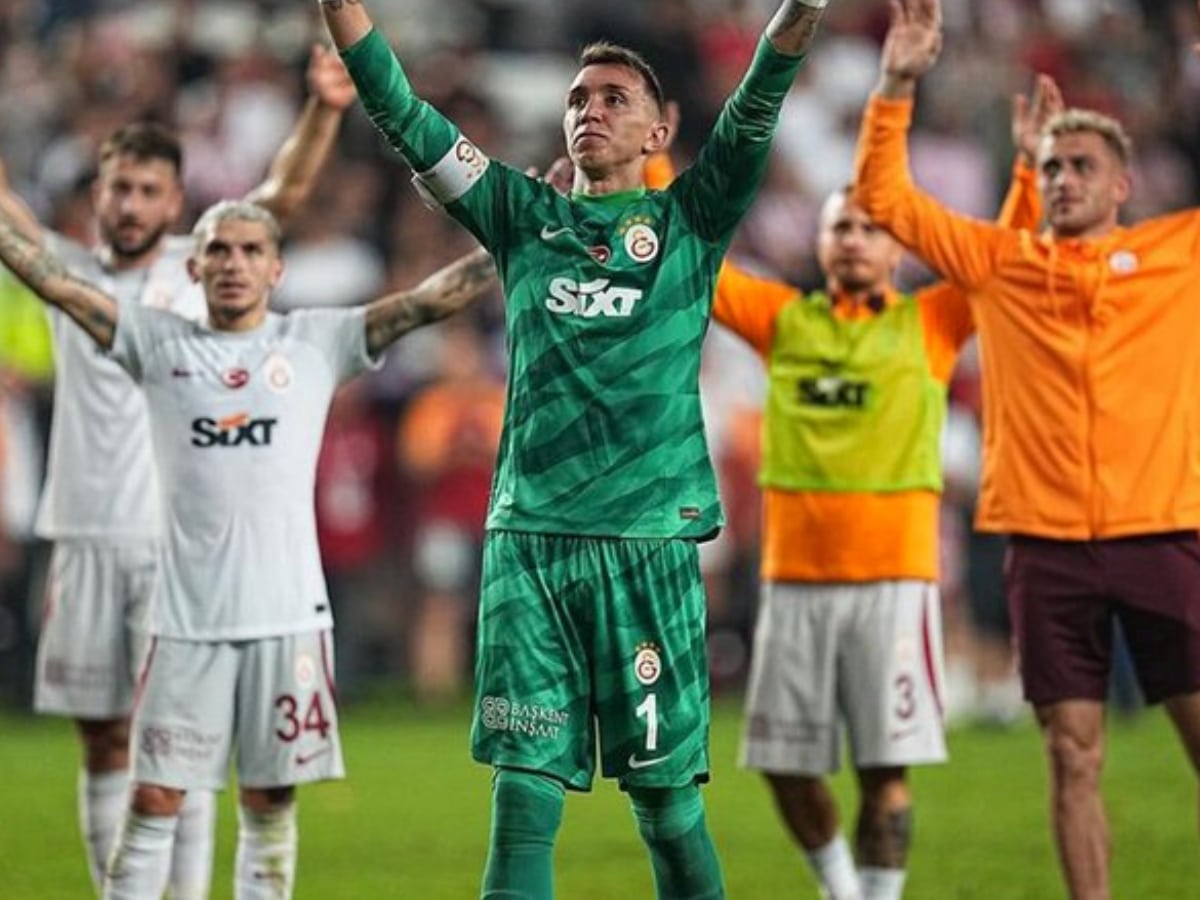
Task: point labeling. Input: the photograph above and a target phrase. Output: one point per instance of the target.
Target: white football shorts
(270, 701)
(93, 636)
(867, 655)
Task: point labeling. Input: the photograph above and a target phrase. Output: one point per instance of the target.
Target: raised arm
(442, 294)
(93, 310)
(1023, 205)
(348, 21)
(912, 45)
(297, 165)
(794, 24)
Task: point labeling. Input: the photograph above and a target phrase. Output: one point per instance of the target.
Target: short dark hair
(601, 53)
(144, 141)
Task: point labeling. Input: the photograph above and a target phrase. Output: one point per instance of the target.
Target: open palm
(914, 37)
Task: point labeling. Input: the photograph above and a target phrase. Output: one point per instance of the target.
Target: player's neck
(615, 182)
(124, 262)
(237, 321)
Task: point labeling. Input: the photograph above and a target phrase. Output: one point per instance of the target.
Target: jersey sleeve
(1022, 206)
(139, 330)
(450, 171)
(748, 305)
(717, 189)
(341, 337)
(961, 249)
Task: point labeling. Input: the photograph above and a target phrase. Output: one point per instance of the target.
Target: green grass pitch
(411, 821)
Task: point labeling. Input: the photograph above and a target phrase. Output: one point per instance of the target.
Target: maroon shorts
(1064, 595)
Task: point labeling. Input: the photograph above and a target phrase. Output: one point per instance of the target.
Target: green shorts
(585, 636)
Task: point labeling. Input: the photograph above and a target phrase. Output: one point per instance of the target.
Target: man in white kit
(100, 502)
(241, 653)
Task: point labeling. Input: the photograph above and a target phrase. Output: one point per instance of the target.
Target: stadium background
(404, 474)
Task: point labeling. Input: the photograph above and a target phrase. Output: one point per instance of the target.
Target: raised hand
(328, 79)
(914, 39)
(1030, 115)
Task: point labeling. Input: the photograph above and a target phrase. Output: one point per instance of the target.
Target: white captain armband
(453, 175)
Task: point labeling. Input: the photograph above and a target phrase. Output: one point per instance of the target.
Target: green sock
(671, 822)
(526, 812)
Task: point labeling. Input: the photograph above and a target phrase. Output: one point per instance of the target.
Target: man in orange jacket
(1091, 424)
(848, 626)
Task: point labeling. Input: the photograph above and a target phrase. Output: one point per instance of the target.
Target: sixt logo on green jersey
(591, 299)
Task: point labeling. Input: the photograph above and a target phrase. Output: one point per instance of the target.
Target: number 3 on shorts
(648, 709)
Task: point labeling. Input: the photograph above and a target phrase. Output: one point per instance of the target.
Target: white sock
(192, 856)
(881, 884)
(103, 798)
(266, 854)
(141, 859)
(834, 867)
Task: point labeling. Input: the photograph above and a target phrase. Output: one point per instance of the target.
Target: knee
(156, 800)
(664, 814)
(267, 800)
(884, 791)
(802, 790)
(1075, 760)
(526, 805)
(105, 744)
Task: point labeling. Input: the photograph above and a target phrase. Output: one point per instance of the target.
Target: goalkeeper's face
(855, 254)
(611, 120)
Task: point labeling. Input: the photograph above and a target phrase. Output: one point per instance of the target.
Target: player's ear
(657, 139)
(193, 269)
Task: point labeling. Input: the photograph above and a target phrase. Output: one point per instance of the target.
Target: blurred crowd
(405, 470)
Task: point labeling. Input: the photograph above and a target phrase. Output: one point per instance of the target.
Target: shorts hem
(569, 782)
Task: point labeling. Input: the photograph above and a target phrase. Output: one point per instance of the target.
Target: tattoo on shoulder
(336, 5)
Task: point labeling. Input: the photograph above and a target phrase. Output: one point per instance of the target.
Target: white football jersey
(100, 480)
(237, 420)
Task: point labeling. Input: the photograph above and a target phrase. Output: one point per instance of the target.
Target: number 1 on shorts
(648, 709)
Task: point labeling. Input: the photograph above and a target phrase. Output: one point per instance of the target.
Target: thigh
(287, 718)
(650, 663)
(93, 636)
(1061, 619)
(890, 674)
(533, 685)
(183, 721)
(792, 723)
(1157, 582)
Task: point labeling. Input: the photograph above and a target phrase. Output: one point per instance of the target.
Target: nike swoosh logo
(549, 234)
(635, 763)
(303, 759)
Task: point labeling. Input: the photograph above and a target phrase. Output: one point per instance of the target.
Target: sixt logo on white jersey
(233, 431)
(591, 299)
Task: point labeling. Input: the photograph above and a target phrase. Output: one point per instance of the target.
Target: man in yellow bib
(849, 625)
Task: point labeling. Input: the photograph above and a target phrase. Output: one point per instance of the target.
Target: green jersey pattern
(607, 304)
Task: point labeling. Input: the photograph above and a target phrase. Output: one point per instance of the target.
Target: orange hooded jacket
(1091, 382)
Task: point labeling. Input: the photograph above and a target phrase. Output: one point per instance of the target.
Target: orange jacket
(851, 536)
(1091, 380)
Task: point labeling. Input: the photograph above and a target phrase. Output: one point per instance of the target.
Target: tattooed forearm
(792, 28)
(440, 295)
(46, 276)
(883, 840)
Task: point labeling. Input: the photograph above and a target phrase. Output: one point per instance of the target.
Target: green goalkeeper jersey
(607, 303)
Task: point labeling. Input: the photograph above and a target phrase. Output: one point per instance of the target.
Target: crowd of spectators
(404, 475)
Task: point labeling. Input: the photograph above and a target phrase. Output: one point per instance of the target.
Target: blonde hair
(1077, 121)
(238, 211)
